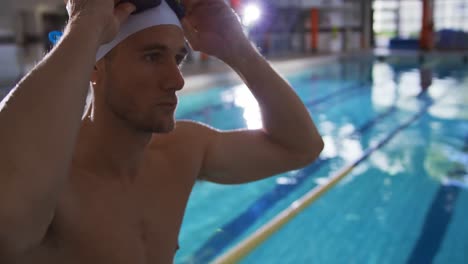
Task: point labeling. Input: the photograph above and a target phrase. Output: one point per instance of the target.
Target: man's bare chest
(107, 221)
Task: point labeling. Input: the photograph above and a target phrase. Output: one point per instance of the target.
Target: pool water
(406, 202)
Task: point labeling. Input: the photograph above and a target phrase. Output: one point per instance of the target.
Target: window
(451, 14)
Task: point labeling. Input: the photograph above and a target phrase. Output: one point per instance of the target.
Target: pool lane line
(369, 124)
(236, 227)
(337, 93)
(435, 225)
(437, 220)
(242, 249)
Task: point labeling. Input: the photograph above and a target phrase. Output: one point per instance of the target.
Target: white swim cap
(160, 15)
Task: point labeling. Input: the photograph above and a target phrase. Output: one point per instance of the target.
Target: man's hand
(212, 27)
(105, 16)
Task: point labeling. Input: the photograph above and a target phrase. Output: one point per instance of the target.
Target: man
(112, 188)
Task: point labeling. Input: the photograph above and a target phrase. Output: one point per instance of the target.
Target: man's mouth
(168, 105)
(172, 104)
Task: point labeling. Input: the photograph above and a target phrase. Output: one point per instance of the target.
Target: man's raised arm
(40, 121)
(289, 139)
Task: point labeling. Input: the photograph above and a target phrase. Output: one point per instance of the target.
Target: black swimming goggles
(142, 5)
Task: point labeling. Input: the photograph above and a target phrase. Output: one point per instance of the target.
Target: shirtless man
(112, 187)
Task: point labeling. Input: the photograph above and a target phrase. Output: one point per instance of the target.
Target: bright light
(252, 14)
(243, 98)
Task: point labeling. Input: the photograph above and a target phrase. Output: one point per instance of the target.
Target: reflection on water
(350, 149)
(387, 92)
(329, 150)
(446, 93)
(447, 164)
(410, 88)
(244, 99)
(391, 165)
(452, 107)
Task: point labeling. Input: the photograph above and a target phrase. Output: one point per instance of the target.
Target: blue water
(406, 202)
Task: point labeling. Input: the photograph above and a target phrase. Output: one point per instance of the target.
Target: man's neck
(108, 147)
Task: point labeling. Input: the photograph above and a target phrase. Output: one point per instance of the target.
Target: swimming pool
(407, 202)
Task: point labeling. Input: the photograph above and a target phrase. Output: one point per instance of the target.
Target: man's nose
(174, 79)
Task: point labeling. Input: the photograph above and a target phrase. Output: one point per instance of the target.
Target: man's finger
(189, 5)
(122, 11)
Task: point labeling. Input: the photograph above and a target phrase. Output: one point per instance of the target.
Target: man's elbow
(312, 152)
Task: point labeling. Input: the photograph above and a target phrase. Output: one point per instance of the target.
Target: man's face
(138, 81)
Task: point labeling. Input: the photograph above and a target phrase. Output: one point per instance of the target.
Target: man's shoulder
(186, 144)
(192, 127)
(186, 133)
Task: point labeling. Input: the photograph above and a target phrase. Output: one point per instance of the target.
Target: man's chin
(165, 128)
(162, 132)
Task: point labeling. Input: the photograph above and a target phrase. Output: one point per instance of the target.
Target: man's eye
(152, 57)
